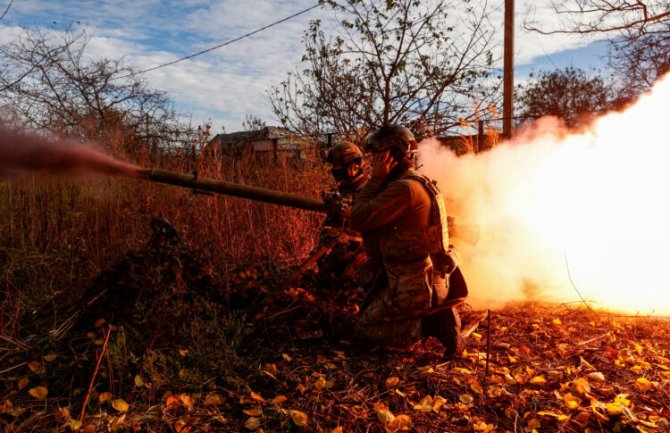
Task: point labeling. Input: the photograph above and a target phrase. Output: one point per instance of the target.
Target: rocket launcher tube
(465, 232)
(234, 189)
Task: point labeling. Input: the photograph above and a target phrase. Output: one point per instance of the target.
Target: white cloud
(227, 83)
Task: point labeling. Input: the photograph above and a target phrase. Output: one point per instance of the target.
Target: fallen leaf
(538, 380)
(73, 424)
(279, 400)
(424, 405)
(36, 367)
(392, 382)
(39, 392)
(104, 396)
(257, 397)
(252, 423)
(299, 418)
(596, 377)
(213, 400)
(120, 405)
(255, 411)
(138, 381)
(50, 357)
(62, 415)
(23, 382)
(466, 398)
(643, 385)
(172, 402)
(187, 401)
(383, 414)
(98, 323)
(400, 423)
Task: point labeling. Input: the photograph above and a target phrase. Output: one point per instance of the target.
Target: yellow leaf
(286, 357)
(466, 398)
(104, 396)
(39, 392)
(481, 426)
(392, 382)
(183, 352)
(50, 357)
(321, 383)
(556, 322)
(120, 405)
(424, 405)
(538, 380)
(438, 402)
(476, 387)
(256, 411)
(36, 367)
(383, 414)
(279, 400)
(643, 385)
(98, 323)
(73, 424)
(186, 400)
(400, 423)
(461, 370)
(23, 382)
(476, 335)
(337, 429)
(299, 418)
(558, 416)
(494, 391)
(138, 381)
(213, 400)
(571, 401)
(252, 423)
(581, 386)
(596, 377)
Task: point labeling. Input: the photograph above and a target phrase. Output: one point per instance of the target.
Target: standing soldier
(340, 252)
(402, 217)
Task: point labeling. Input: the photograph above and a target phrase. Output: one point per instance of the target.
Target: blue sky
(223, 85)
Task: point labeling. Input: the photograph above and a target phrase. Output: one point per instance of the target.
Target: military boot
(445, 325)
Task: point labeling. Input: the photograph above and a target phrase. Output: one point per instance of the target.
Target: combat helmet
(342, 158)
(344, 154)
(390, 137)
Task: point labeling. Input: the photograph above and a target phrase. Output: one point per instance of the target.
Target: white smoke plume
(568, 215)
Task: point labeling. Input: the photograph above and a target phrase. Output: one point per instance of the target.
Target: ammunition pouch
(410, 287)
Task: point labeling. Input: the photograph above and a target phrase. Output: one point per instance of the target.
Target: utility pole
(508, 70)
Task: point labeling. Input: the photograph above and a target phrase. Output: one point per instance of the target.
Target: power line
(216, 47)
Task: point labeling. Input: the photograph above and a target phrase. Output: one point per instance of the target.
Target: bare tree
(408, 62)
(50, 84)
(253, 123)
(569, 94)
(640, 42)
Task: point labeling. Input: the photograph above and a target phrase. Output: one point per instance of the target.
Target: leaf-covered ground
(172, 356)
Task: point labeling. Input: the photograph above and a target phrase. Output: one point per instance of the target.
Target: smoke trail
(21, 153)
(563, 211)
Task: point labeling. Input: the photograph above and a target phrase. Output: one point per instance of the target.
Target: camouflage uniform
(340, 251)
(404, 226)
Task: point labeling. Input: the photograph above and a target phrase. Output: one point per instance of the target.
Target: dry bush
(57, 234)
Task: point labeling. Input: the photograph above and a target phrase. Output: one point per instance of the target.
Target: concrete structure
(272, 142)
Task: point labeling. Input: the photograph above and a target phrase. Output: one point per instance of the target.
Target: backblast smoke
(21, 153)
(566, 215)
